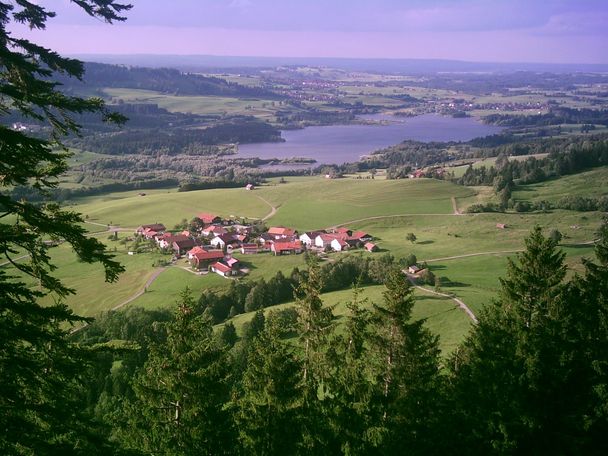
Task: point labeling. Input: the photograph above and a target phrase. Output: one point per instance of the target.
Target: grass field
(170, 207)
(309, 203)
(441, 314)
(590, 183)
(203, 105)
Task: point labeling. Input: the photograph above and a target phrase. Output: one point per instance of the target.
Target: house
(323, 240)
(213, 230)
(181, 244)
(221, 269)
(286, 247)
(149, 231)
(164, 241)
(371, 247)
(203, 259)
(209, 219)
(343, 230)
(362, 236)
(339, 244)
(193, 251)
(413, 269)
(501, 226)
(281, 232)
(224, 241)
(308, 238)
(247, 249)
(249, 187)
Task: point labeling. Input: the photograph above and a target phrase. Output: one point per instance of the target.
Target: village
(209, 242)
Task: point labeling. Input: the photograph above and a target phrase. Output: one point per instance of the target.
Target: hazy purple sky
(556, 31)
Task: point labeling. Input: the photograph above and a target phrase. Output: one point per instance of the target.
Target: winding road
(273, 210)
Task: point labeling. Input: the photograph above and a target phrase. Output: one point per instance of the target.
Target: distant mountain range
(407, 66)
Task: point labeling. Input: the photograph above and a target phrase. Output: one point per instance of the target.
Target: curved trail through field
(149, 282)
(379, 217)
(459, 302)
(466, 255)
(273, 210)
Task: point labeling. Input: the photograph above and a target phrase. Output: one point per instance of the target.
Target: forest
(530, 378)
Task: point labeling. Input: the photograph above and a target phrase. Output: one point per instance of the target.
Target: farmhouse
(339, 244)
(362, 236)
(286, 247)
(501, 226)
(181, 244)
(195, 250)
(343, 230)
(224, 240)
(308, 238)
(281, 232)
(203, 259)
(149, 231)
(208, 218)
(213, 230)
(413, 269)
(249, 187)
(247, 249)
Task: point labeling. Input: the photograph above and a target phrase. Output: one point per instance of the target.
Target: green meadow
(468, 252)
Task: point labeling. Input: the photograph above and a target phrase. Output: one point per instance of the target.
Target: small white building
(338, 245)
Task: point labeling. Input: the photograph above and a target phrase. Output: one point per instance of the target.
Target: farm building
(286, 248)
(249, 187)
(149, 231)
(208, 218)
(501, 226)
(201, 260)
(339, 245)
(371, 247)
(247, 249)
(308, 238)
(362, 236)
(222, 269)
(413, 269)
(181, 244)
(281, 232)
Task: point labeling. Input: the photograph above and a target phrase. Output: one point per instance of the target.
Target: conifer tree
(315, 324)
(406, 359)
(350, 383)
(181, 392)
(268, 405)
(41, 371)
(509, 374)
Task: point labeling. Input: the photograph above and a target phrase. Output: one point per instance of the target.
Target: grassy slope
(309, 203)
(443, 317)
(169, 207)
(590, 183)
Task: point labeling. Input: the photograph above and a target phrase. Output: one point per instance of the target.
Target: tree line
(529, 378)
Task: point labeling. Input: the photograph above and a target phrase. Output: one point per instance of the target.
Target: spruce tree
(509, 375)
(41, 371)
(181, 392)
(406, 367)
(267, 409)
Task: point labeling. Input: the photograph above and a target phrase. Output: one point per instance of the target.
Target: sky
(543, 31)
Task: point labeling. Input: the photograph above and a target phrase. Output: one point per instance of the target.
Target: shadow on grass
(425, 242)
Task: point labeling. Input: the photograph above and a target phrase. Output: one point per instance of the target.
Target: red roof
(290, 245)
(342, 230)
(281, 231)
(207, 217)
(370, 246)
(209, 255)
(195, 250)
(221, 267)
(360, 234)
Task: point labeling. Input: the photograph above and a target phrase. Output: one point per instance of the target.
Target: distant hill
(165, 80)
(406, 66)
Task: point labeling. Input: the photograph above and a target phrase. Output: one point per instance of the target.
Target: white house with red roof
(208, 218)
(221, 269)
(201, 259)
(281, 232)
(339, 245)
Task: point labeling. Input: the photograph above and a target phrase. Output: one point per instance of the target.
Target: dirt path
(378, 217)
(273, 210)
(149, 282)
(466, 255)
(455, 206)
(459, 302)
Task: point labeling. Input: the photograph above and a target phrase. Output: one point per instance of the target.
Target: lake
(337, 144)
